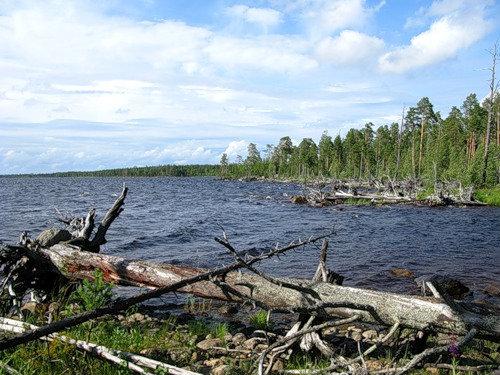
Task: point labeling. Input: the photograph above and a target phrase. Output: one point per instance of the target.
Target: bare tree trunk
(493, 85)
(372, 306)
(421, 148)
(400, 132)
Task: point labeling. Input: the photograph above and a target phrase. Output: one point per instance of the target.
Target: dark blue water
(175, 219)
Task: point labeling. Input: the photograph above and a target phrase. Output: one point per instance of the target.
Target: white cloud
(461, 23)
(443, 40)
(327, 16)
(350, 47)
(265, 17)
(236, 148)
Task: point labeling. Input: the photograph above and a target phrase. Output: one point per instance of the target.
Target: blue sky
(99, 84)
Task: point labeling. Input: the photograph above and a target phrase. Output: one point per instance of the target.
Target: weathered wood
(372, 306)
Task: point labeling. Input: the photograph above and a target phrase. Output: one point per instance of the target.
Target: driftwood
(129, 360)
(373, 306)
(78, 258)
(386, 192)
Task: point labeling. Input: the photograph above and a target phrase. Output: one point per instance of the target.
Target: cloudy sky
(98, 84)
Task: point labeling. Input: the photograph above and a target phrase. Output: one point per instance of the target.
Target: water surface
(175, 219)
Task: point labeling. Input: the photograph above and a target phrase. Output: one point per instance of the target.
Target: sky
(88, 85)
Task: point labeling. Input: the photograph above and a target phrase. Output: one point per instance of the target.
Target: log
(372, 306)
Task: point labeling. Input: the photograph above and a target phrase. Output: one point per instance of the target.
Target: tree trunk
(421, 148)
(490, 111)
(373, 306)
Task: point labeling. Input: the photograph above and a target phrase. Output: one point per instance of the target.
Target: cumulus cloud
(265, 17)
(327, 16)
(236, 148)
(350, 47)
(461, 24)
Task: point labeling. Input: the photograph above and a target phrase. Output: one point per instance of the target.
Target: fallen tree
(387, 192)
(72, 255)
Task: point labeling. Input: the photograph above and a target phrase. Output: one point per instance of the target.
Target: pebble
(213, 362)
(371, 334)
(208, 344)
(220, 370)
(239, 338)
(250, 344)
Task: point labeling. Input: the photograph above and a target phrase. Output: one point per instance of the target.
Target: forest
(423, 145)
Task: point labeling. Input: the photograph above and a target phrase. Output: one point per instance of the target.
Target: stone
(136, 317)
(373, 365)
(208, 344)
(493, 289)
(250, 344)
(298, 199)
(52, 236)
(213, 362)
(356, 336)
(371, 334)
(278, 366)
(227, 310)
(239, 338)
(260, 348)
(30, 306)
(401, 272)
(330, 331)
(220, 370)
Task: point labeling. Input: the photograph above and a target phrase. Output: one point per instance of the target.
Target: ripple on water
(175, 219)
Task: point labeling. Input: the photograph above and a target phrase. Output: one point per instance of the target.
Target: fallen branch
(125, 359)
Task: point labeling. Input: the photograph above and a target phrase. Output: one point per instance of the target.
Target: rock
(227, 310)
(373, 365)
(194, 357)
(260, 347)
(356, 336)
(136, 317)
(493, 289)
(30, 306)
(250, 344)
(213, 362)
(354, 329)
(228, 337)
(298, 199)
(330, 331)
(50, 237)
(278, 366)
(401, 272)
(371, 334)
(208, 344)
(239, 338)
(220, 370)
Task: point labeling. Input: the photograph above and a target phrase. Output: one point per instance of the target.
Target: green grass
(489, 196)
(259, 320)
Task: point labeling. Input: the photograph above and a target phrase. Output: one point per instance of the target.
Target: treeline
(153, 171)
(422, 145)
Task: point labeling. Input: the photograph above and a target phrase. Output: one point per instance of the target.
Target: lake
(174, 220)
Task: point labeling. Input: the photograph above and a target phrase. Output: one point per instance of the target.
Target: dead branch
(132, 361)
(117, 208)
(123, 304)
